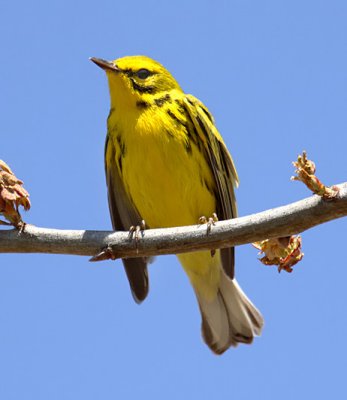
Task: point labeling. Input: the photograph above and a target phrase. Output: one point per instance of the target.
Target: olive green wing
(221, 164)
(124, 215)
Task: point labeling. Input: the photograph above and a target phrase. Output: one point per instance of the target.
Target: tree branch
(278, 222)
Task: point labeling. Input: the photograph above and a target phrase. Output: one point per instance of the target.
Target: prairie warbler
(167, 164)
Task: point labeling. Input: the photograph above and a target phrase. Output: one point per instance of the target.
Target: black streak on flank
(119, 161)
(142, 104)
(208, 187)
(142, 89)
(174, 117)
(162, 100)
(193, 134)
(189, 147)
(109, 116)
(121, 145)
(205, 184)
(169, 133)
(110, 113)
(106, 146)
(180, 108)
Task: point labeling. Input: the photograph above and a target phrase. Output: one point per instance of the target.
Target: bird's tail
(230, 318)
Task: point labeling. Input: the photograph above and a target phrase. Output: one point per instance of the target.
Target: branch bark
(278, 222)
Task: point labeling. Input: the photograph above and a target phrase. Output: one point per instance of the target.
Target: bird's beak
(104, 64)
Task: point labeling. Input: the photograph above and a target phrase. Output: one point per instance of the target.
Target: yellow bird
(167, 164)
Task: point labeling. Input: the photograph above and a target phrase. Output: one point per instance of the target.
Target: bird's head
(136, 78)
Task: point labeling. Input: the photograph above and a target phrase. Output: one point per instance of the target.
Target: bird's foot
(107, 253)
(209, 221)
(136, 232)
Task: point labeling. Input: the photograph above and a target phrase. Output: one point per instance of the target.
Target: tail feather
(230, 318)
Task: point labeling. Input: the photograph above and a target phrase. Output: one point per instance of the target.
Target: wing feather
(221, 165)
(123, 215)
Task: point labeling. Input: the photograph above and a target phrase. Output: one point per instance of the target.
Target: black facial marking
(128, 72)
(142, 89)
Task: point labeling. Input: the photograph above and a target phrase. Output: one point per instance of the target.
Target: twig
(278, 222)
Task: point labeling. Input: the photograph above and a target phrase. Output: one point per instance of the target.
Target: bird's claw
(106, 253)
(136, 230)
(209, 221)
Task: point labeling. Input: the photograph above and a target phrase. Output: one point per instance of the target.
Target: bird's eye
(143, 73)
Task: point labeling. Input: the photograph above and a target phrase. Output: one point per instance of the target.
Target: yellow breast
(164, 173)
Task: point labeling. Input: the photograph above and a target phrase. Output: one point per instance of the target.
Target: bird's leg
(136, 230)
(209, 221)
(108, 253)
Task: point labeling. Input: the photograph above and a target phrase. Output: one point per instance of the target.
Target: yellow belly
(166, 182)
(171, 186)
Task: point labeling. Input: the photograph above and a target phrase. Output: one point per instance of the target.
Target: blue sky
(273, 73)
